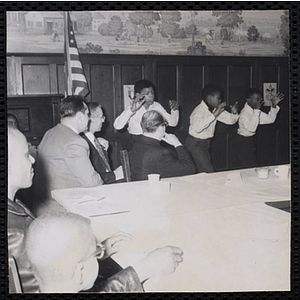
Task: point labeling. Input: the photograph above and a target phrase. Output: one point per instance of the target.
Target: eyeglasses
(102, 118)
(165, 124)
(98, 253)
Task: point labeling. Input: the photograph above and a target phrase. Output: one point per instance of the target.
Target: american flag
(76, 83)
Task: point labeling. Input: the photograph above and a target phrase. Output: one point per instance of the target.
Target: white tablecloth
(232, 240)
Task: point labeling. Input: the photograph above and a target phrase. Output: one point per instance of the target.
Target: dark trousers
(199, 149)
(246, 151)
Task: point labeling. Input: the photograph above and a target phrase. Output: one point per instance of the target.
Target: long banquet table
(231, 239)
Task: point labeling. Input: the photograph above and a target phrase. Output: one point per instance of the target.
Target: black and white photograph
(148, 151)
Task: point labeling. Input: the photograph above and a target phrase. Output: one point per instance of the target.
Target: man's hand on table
(115, 242)
(161, 261)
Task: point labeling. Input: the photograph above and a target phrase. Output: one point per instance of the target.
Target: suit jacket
(19, 218)
(97, 162)
(63, 162)
(148, 156)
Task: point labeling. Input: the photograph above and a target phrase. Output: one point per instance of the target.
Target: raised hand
(234, 108)
(279, 97)
(137, 102)
(219, 109)
(173, 104)
(258, 103)
(114, 243)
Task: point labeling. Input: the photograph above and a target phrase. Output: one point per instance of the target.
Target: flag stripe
(73, 51)
(76, 64)
(77, 70)
(76, 83)
(78, 77)
(79, 83)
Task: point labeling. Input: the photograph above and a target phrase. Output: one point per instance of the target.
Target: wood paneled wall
(175, 77)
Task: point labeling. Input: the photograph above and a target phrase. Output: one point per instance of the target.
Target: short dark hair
(210, 90)
(93, 106)
(250, 92)
(151, 120)
(142, 84)
(71, 105)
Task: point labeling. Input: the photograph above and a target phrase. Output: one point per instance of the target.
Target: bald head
(57, 245)
(20, 172)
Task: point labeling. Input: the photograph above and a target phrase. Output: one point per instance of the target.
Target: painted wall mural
(231, 33)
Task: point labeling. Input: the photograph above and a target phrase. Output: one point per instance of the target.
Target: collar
(19, 209)
(149, 140)
(248, 107)
(90, 136)
(69, 126)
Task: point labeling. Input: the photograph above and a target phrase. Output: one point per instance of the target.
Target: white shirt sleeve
(270, 117)
(227, 118)
(172, 118)
(123, 118)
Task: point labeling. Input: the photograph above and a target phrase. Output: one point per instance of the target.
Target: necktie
(102, 155)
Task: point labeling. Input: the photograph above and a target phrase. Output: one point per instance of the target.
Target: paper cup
(153, 177)
(262, 173)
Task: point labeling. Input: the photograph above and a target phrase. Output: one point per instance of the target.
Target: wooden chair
(125, 164)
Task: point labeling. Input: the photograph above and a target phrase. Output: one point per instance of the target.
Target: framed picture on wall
(128, 92)
(270, 91)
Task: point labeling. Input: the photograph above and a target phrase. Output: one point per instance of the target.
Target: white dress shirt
(134, 118)
(203, 122)
(250, 118)
(91, 137)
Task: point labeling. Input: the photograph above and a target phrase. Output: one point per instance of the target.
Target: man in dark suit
(63, 160)
(148, 156)
(99, 146)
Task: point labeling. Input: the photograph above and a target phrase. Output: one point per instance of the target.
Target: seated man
(20, 173)
(63, 160)
(98, 153)
(52, 238)
(148, 156)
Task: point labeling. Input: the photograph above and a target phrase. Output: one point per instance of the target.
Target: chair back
(125, 164)
(14, 278)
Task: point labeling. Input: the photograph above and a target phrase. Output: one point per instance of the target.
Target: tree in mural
(284, 30)
(130, 28)
(115, 26)
(144, 20)
(85, 18)
(252, 34)
(193, 28)
(103, 29)
(228, 20)
(169, 25)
